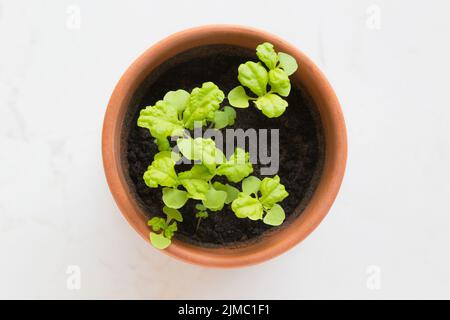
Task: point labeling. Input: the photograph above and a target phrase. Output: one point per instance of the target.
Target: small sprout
(202, 214)
(263, 206)
(164, 229)
(255, 77)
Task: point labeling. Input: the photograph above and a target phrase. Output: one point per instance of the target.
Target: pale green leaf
(159, 241)
(238, 98)
(271, 105)
(161, 171)
(275, 216)
(195, 181)
(237, 167)
(161, 119)
(250, 185)
(254, 76)
(178, 99)
(220, 119)
(163, 144)
(279, 82)
(174, 198)
(173, 214)
(231, 113)
(272, 191)
(267, 54)
(246, 206)
(287, 63)
(232, 192)
(202, 102)
(214, 199)
(200, 207)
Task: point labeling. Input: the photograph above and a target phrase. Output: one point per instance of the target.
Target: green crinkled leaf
(232, 192)
(159, 241)
(279, 82)
(275, 216)
(238, 98)
(250, 185)
(267, 54)
(173, 214)
(157, 223)
(161, 119)
(174, 198)
(203, 150)
(161, 171)
(214, 199)
(202, 102)
(287, 63)
(271, 105)
(246, 206)
(177, 99)
(195, 181)
(254, 76)
(272, 191)
(237, 167)
(170, 230)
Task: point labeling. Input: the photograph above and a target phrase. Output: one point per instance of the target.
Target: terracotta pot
(309, 76)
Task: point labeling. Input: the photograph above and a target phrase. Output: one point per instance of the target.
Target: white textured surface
(393, 210)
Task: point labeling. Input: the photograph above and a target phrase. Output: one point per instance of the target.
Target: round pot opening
(312, 137)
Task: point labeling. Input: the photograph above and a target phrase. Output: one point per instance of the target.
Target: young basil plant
(163, 229)
(256, 77)
(259, 200)
(179, 111)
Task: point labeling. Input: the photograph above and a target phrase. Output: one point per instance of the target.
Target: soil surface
(301, 144)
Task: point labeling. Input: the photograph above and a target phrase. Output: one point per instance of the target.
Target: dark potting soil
(301, 144)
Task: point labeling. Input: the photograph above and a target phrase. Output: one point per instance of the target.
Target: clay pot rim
(309, 76)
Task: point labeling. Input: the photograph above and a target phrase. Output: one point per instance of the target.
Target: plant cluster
(180, 111)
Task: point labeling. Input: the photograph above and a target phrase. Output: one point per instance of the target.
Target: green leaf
(224, 118)
(253, 76)
(195, 181)
(161, 119)
(214, 199)
(279, 82)
(220, 119)
(157, 223)
(237, 167)
(161, 171)
(246, 206)
(159, 241)
(272, 191)
(174, 198)
(232, 192)
(231, 113)
(173, 214)
(275, 216)
(170, 230)
(202, 102)
(288, 63)
(267, 54)
(202, 215)
(177, 99)
(238, 98)
(200, 207)
(163, 144)
(251, 185)
(203, 150)
(271, 105)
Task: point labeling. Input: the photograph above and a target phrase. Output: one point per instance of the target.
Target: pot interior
(301, 144)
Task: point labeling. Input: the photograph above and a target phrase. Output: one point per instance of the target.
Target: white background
(393, 211)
